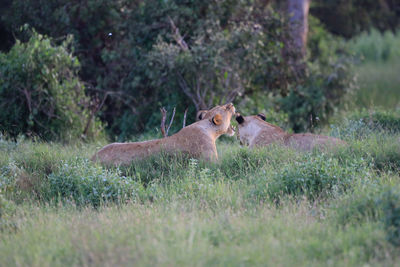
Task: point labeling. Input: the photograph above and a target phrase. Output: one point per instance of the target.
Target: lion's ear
(217, 119)
(239, 118)
(200, 114)
(262, 116)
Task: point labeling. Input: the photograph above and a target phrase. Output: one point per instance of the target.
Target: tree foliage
(132, 62)
(40, 92)
(350, 17)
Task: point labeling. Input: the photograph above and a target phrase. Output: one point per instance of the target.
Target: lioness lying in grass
(254, 131)
(197, 140)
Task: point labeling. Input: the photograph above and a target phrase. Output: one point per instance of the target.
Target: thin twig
(172, 119)
(184, 118)
(164, 116)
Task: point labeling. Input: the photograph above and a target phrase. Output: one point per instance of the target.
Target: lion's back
(308, 141)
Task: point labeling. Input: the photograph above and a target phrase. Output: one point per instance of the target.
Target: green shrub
(86, 184)
(40, 92)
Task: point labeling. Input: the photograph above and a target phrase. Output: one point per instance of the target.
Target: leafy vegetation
(40, 93)
(139, 56)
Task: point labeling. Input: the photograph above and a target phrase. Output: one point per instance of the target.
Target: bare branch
(196, 81)
(184, 118)
(210, 100)
(28, 99)
(119, 95)
(185, 88)
(177, 36)
(172, 119)
(164, 116)
(93, 113)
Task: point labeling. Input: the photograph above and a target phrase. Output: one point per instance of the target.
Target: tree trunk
(298, 24)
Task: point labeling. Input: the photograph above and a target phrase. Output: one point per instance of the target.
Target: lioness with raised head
(254, 131)
(197, 140)
(201, 114)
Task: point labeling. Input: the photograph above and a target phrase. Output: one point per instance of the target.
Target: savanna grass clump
(375, 203)
(312, 176)
(84, 184)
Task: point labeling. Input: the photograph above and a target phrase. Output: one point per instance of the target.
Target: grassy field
(272, 206)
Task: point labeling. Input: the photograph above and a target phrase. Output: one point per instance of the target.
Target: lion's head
(249, 127)
(219, 116)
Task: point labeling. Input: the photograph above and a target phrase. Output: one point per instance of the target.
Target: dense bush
(40, 92)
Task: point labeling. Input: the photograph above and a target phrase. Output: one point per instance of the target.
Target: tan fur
(255, 132)
(201, 114)
(197, 140)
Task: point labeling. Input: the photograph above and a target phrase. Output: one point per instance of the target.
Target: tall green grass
(270, 206)
(379, 85)
(378, 70)
(182, 234)
(374, 46)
